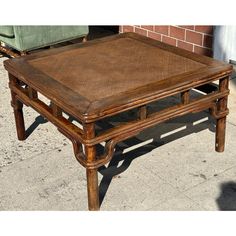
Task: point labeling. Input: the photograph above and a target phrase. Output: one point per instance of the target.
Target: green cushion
(33, 37)
(7, 31)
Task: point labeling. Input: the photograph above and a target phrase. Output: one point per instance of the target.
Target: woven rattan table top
(113, 73)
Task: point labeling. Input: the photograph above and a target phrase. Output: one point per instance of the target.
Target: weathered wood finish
(92, 175)
(221, 122)
(17, 108)
(143, 112)
(67, 99)
(13, 53)
(185, 97)
(8, 52)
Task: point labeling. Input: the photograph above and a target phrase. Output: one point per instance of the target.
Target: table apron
(207, 102)
(60, 122)
(128, 129)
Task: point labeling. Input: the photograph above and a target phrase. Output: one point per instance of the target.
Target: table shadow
(184, 125)
(39, 120)
(227, 198)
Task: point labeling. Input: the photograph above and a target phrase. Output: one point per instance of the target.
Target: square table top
(113, 74)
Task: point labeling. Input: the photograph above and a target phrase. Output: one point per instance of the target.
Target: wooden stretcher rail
(197, 105)
(206, 102)
(47, 112)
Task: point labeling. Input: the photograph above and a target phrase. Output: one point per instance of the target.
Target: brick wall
(194, 38)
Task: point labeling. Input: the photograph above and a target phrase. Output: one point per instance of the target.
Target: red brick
(207, 41)
(169, 40)
(184, 45)
(176, 32)
(162, 29)
(154, 35)
(191, 27)
(140, 31)
(203, 51)
(148, 27)
(207, 29)
(194, 37)
(128, 28)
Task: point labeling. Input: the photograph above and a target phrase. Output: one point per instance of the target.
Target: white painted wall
(224, 44)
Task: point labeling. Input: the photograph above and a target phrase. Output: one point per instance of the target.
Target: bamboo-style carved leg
(220, 134)
(221, 122)
(18, 112)
(92, 188)
(19, 118)
(92, 174)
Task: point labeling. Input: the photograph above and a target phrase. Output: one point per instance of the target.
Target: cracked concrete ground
(172, 166)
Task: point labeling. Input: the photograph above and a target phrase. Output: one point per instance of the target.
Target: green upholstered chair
(28, 38)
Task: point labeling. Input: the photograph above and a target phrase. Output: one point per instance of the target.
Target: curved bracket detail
(100, 160)
(104, 158)
(109, 148)
(216, 113)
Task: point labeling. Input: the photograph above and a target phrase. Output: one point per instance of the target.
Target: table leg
(19, 118)
(220, 134)
(92, 174)
(92, 188)
(221, 122)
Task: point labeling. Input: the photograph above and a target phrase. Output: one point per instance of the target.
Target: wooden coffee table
(105, 77)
